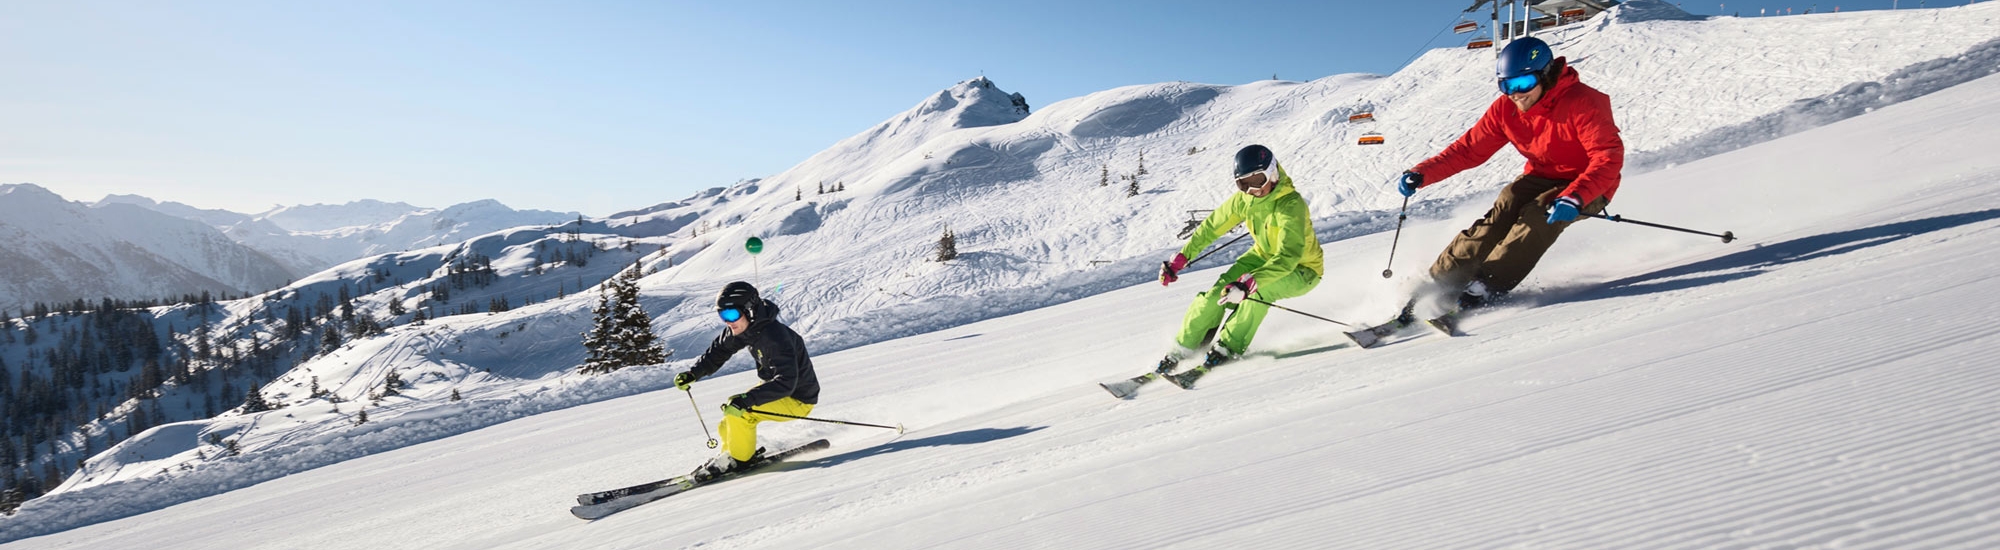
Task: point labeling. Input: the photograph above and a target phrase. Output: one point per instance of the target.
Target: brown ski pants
(1504, 246)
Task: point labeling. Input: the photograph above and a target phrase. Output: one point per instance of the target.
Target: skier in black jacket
(789, 387)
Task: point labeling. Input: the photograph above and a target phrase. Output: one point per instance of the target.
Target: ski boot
(1217, 356)
(724, 463)
(1173, 360)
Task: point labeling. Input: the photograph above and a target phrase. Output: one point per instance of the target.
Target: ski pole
(697, 418)
(898, 427)
(1726, 236)
(1217, 249)
(1299, 312)
(1389, 271)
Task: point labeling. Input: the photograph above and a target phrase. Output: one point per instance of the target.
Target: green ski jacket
(1279, 225)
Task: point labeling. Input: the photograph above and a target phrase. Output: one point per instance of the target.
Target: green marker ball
(754, 245)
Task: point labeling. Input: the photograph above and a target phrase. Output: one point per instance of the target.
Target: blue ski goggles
(1520, 84)
(730, 315)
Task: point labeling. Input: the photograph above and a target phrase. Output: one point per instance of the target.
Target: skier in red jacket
(1565, 130)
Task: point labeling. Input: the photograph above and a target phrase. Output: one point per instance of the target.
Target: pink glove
(1242, 288)
(1170, 271)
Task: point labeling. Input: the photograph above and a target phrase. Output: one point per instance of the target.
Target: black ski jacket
(780, 353)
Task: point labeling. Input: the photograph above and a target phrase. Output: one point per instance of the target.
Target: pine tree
(361, 417)
(454, 395)
(8, 458)
(391, 383)
(253, 402)
(1104, 175)
(1142, 163)
(11, 498)
(1132, 186)
(622, 334)
(947, 246)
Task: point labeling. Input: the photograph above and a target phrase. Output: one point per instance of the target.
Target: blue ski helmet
(1522, 64)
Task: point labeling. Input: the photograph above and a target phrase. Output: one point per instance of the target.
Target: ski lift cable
(1427, 43)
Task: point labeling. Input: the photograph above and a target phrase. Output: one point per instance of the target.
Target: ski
(1447, 323)
(598, 505)
(1369, 337)
(1125, 389)
(1185, 379)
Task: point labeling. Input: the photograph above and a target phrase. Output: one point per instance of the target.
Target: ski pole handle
(898, 427)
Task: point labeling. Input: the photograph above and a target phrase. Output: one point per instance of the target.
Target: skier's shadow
(1757, 261)
(968, 437)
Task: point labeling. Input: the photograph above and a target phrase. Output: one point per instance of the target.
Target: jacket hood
(1283, 188)
(764, 311)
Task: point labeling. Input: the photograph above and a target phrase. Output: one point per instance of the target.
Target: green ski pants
(1204, 316)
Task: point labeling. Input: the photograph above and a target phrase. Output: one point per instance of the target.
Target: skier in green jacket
(1284, 262)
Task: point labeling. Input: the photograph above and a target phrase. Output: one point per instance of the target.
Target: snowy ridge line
(66, 510)
(1805, 114)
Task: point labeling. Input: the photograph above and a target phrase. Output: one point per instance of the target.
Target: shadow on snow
(967, 437)
(1756, 261)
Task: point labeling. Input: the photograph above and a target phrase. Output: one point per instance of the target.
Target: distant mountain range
(133, 247)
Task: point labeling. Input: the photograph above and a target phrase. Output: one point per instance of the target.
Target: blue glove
(1564, 211)
(683, 380)
(1408, 184)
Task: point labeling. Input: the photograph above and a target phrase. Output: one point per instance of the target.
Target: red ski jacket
(1568, 135)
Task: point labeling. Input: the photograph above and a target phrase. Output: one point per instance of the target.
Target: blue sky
(593, 106)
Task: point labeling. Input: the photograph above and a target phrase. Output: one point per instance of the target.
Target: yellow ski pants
(739, 433)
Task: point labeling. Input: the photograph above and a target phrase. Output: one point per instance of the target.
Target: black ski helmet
(1524, 56)
(1251, 160)
(740, 296)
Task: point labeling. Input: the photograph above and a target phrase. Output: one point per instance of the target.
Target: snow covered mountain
(310, 238)
(57, 250)
(1005, 409)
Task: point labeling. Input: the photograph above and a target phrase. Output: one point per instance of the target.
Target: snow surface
(1647, 409)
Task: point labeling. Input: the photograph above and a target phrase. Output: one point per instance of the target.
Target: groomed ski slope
(1826, 381)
